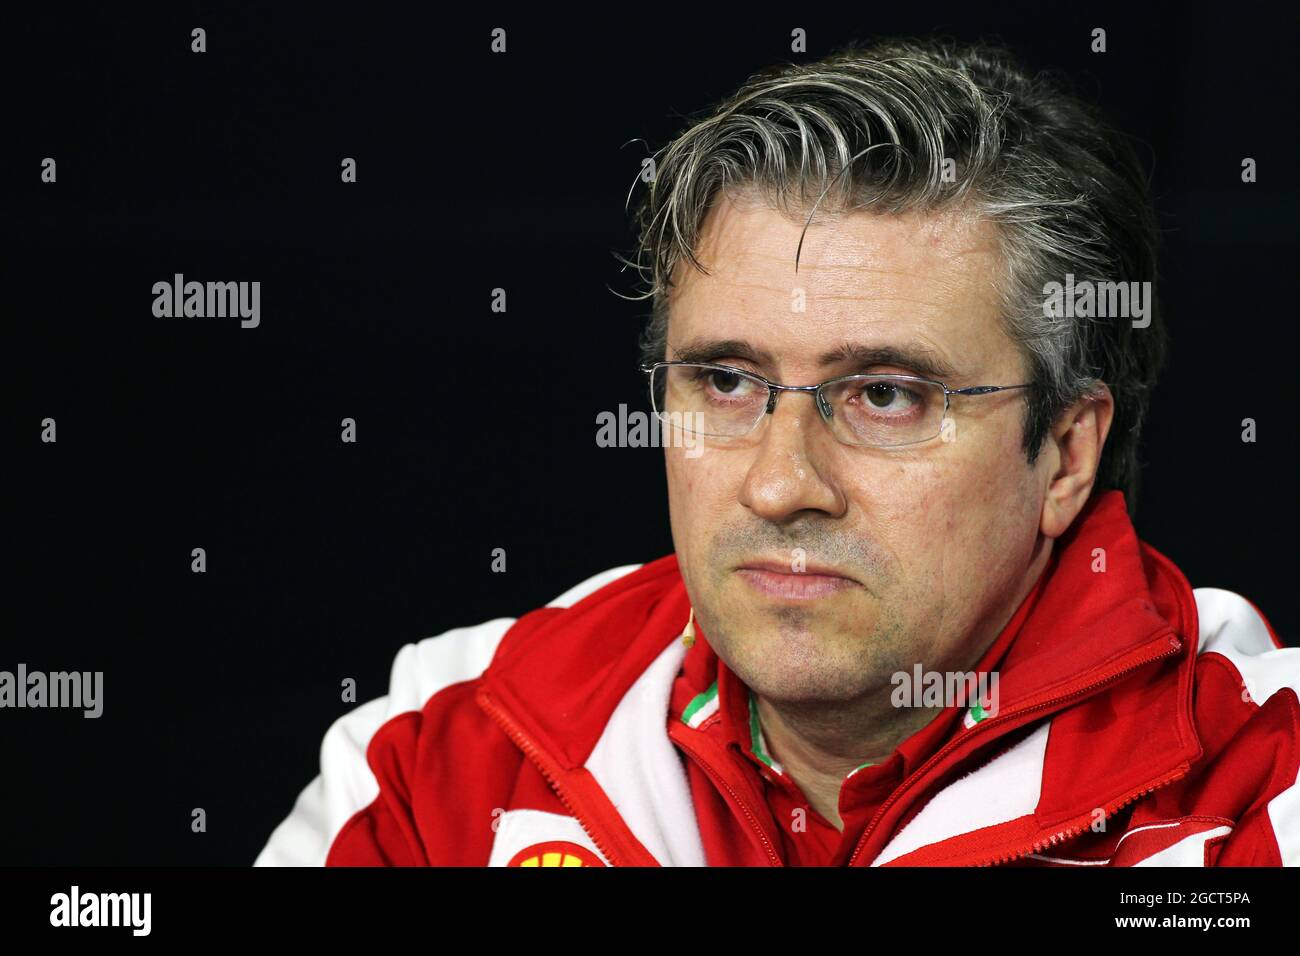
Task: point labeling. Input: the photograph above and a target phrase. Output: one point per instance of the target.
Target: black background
(475, 171)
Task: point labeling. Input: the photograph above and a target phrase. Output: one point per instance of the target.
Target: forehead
(925, 279)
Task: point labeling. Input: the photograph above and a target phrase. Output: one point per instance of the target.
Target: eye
(717, 384)
(725, 382)
(885, 395)
(893, 398)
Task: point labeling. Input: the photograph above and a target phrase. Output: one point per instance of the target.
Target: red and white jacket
(1141, 722)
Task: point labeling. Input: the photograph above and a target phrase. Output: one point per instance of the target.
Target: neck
(819, 746)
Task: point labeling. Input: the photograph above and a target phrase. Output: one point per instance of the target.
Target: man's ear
(1073, 455)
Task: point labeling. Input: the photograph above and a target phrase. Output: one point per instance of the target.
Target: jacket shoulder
(1235, 639)
(1246, 702)
(363, 753)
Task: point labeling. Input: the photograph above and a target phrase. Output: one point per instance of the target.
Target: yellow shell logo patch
(555, 853)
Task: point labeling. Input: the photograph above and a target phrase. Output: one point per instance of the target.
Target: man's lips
(779, 580)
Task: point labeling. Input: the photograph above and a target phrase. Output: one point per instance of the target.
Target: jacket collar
(1108, 638)
(1107, 651)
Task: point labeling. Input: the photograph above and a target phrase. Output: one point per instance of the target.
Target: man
(908, 620)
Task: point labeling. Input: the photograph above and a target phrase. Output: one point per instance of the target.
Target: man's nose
(793, 466)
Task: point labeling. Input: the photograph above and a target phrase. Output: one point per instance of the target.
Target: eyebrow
(923, 361)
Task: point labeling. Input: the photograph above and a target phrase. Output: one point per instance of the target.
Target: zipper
(744, 807)
(1174, 646)
(548, 767)
(1071, 832)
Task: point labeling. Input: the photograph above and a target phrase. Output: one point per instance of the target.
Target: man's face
(934, 539)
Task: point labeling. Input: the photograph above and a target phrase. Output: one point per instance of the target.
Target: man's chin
(780, 670)
(753, 625)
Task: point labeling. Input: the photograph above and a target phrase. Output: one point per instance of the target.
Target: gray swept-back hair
(869, 128)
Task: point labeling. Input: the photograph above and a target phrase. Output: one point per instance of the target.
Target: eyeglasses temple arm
(984, 389)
